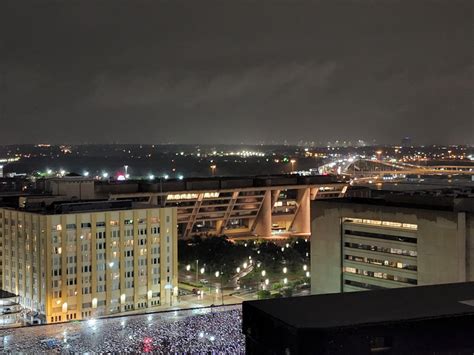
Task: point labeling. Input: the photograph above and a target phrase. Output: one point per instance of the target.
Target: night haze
(236, 176)
(231, 72)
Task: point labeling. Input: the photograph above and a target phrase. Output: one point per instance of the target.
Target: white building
(78, 260)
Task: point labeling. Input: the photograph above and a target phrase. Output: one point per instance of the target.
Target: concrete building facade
(89, 259)
(262, 206)
(367, 244)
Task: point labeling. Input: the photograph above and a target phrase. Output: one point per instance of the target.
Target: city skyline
(180, 72)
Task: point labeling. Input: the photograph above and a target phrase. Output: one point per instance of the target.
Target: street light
(285, 280)
(245, 265)
(188, 267)
(238, 269)
(202, 270)
(219, 275)
(264, 273)
(305, 267)
(307, 274)
(285, 270)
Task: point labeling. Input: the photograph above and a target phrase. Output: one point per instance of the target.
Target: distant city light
(121, 177)
(85, 173)
(166, 176)
(151, 177)
(180, 177)
(105, 175)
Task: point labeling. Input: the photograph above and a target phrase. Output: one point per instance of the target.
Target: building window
(381, 236)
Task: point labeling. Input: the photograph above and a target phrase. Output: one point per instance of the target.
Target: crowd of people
(216, 331)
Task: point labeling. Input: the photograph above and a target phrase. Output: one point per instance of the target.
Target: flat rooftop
(83, 206)
(369, 307)
(214, 183)
(444, 203)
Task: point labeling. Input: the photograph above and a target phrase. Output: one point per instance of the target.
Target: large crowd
(185, 332)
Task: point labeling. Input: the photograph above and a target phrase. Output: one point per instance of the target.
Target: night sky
(199, 71)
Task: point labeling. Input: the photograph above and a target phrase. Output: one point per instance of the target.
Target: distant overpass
(360, 167)
(364, 167)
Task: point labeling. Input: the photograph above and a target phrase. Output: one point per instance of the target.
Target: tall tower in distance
(406, 141)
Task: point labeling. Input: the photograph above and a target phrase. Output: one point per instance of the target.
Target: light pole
(197, 271)
(219, 276)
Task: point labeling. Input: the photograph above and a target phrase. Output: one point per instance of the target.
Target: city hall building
(74, 260)
(395, 241)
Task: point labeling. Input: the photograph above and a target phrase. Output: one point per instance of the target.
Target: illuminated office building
(76, 260)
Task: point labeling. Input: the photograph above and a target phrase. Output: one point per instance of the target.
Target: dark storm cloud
(231, 71)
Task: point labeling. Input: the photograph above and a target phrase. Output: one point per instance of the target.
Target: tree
(287, 292)
(262, 294)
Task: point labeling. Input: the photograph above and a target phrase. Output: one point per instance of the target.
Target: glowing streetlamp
(217, 274)
(285, 270)
(202, 270)
(188, 267)
(308, 274)
(305, 267)
(264, 273)
(238, 269)
(285, 280)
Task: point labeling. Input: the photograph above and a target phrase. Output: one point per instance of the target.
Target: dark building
(406, 142)
(413, 320)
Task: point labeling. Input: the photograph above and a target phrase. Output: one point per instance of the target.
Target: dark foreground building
(414, 320)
